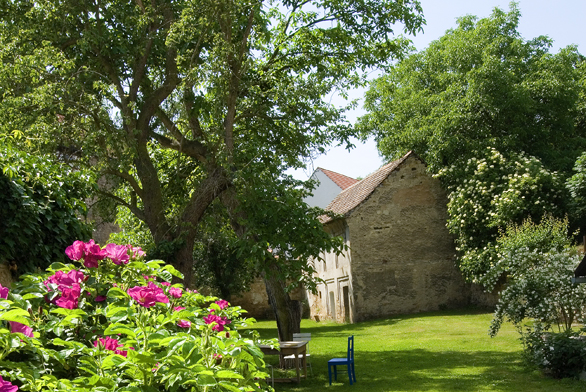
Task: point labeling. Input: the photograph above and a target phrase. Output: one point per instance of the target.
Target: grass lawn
(439, 351)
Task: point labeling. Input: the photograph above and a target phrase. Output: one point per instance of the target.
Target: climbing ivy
(42, 209)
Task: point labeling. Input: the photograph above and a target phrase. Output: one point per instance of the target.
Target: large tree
(498, 118)
(234, 91)
(481, 85)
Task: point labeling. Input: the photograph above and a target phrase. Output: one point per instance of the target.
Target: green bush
(42, 205)
(117, 323)
(559, 354)
(537, 261)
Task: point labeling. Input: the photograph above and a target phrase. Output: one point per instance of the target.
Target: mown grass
(439, 351)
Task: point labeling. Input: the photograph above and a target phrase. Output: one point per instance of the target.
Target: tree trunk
(287, 311)
(184, 262)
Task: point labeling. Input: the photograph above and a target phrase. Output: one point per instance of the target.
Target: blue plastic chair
(348, 362)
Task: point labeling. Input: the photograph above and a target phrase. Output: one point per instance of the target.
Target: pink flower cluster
(148, 296)
(117, 253)
(218, 320)
(223, 304)
(89, 251)
(68, 285)
(111, 344)
(136, 251)
(6, 386)
(175, 292)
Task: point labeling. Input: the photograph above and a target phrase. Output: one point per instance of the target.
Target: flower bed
(114, 322)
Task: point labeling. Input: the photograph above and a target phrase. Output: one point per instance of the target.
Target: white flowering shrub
(490, 191)
(539, 298)
(538, 261)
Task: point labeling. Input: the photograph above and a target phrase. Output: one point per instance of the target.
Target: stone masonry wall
(402, 254)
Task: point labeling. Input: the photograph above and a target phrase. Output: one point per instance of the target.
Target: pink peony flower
(165, 284)
(184, 324)
(175, 292)
(65, 280)
(6, 386)
(136, 251)
(69, 297)
(100, 298)
(4, 292)
(92, 254)
(76, 251)
(149, 295)
(178, 308)
(23, 329)
(117, 253)
(220, 321)
(111, 344)
(223, 304)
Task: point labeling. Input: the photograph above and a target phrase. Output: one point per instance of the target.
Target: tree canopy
(482, 85)
(499, 119)
(181, 103)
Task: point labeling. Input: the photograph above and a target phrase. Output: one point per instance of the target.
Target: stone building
(400, 256)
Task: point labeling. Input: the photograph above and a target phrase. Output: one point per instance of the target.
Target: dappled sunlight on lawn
(439, 351)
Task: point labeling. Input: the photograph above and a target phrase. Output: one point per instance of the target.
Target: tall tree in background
(498, 118)
(233, 88)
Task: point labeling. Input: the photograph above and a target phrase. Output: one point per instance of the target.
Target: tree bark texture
(287, 311)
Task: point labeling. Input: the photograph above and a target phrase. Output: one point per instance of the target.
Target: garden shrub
(42, 205)
(538, 261)
(559, 354)
(112, 321)
(539, 298)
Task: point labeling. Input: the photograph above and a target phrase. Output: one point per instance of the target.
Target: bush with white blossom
(538, 261)
(490, 191)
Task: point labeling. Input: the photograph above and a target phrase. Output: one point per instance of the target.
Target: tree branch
(133, 208)
(190, 148)
(128, 178)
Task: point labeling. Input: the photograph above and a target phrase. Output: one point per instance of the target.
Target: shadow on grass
(422, 370)
(331, 329)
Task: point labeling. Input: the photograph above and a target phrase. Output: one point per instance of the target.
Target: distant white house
(330, 184)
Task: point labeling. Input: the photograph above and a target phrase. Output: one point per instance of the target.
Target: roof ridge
(343, 181)
(357, 193)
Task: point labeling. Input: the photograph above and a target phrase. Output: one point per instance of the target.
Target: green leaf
(117, 293)
(69, 312)
(229, 386)
(206, 380)
(17, 315)
(113, 360)
(32, 296)
(114, 329)
(228, 374)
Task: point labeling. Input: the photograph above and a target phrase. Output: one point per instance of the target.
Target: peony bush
(111, 321)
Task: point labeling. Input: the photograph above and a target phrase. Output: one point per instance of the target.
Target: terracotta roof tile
(341, 180)
(351, 197)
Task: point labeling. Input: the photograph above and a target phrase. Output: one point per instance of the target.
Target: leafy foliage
(489, 193)
(559, 354)
(499, 119)
(42, 206)
(179, 103)
(481, 85)
(110, 338)
(538, 262)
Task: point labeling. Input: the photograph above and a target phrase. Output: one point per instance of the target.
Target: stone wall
(333, 299)
(403, 257)
(256, 301)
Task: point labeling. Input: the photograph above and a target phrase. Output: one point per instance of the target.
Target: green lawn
(439, 351)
